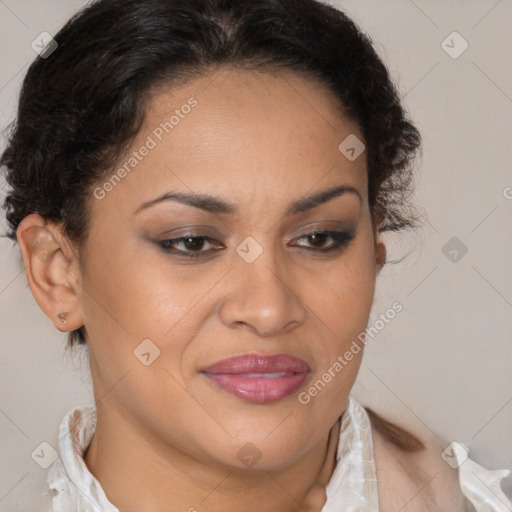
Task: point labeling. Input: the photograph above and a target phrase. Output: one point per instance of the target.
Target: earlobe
(380, 255)
(380, 252)
(380, 246)
(51, 271)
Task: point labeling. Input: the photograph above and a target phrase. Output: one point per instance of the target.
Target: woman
(198, 188)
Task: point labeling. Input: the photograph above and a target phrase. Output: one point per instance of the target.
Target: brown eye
(191, 245)
(318, 239)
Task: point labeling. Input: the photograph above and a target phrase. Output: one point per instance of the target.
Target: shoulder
(415, 481)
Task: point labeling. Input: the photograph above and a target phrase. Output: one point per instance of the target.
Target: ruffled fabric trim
(480, 485)
(72, 485)
(353, 484)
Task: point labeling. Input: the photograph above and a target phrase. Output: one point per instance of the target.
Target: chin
(262, 455)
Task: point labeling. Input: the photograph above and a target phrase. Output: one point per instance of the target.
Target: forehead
(232, 104)
(249, 134)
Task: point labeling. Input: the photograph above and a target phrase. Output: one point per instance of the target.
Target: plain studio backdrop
(441, 366)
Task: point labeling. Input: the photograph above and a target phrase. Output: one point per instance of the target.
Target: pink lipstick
(259, 378)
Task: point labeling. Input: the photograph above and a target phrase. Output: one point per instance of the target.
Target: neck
(140, 473)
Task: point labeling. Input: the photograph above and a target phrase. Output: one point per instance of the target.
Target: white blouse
(351, 488)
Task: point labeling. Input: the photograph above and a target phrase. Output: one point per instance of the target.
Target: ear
(51, 266)
(380, 254)
(380, 247)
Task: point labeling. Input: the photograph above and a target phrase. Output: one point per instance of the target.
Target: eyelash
(341, 240)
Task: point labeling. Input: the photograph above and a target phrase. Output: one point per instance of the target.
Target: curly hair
(81, 106)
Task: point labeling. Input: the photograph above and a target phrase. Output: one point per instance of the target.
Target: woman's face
(257, 283)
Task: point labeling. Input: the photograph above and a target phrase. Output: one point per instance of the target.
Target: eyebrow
(216, 205)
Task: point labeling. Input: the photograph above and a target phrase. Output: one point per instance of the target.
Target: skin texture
(167, 438)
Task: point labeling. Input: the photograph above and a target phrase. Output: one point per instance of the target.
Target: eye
(192, 245)
(318, 239)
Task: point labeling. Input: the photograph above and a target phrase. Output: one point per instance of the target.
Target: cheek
(135, 293)
(342, 296)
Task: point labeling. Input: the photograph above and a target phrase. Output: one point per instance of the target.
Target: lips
(257, 363)
(259, 378)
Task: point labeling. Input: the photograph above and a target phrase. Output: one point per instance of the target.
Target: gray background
(442, 367)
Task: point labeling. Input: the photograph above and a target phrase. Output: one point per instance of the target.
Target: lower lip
(258, 389)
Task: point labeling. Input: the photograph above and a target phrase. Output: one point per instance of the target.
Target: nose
(263, 297)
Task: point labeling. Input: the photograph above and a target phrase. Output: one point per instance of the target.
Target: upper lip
(259, 363)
